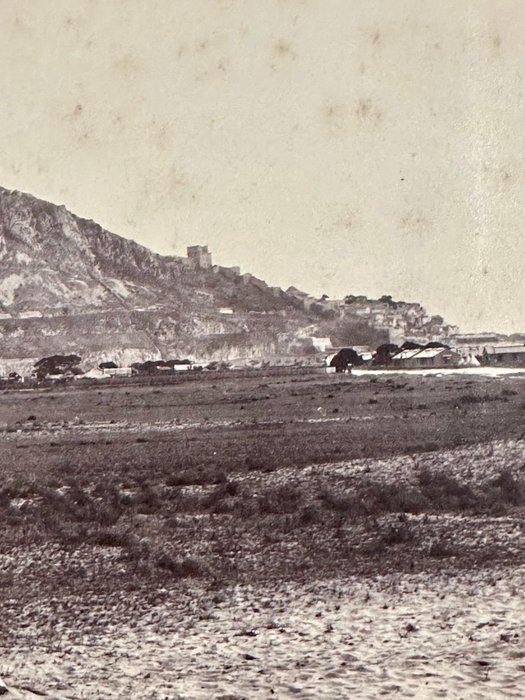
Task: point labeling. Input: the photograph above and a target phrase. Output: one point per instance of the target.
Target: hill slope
(68, 285)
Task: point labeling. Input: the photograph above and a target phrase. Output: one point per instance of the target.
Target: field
(318, 536)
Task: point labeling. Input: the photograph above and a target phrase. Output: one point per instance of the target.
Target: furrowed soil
(317, 536)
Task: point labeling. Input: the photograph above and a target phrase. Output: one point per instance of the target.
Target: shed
(436, 357)
(118, 371)
(510, 355)
(427, 357)
(95, 373)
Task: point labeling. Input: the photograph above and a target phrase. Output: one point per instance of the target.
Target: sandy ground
(404, 636)
(441, 630)
(456, 634)
(458, 371)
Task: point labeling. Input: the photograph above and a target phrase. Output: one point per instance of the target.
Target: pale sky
(342, 146)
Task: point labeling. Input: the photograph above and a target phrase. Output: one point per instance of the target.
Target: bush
(504, 490)
(310, 515)
(188, 567)
(147, 500)
(280, 500)
(344, 503)
(379, 498)
(440, 550)
(221, 499)
(76, 505)
(110, 538)
(398, 534)
(444, 492)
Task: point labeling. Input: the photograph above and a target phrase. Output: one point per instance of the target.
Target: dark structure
(57, 364)
(384, 354)
(345, 358)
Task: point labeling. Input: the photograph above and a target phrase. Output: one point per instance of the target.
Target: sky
(341, 146)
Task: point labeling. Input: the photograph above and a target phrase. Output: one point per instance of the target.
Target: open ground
(317, 536)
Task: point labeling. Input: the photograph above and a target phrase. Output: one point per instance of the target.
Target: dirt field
(326, 536)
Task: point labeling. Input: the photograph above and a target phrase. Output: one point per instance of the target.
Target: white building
(118, 371)
(31, 314)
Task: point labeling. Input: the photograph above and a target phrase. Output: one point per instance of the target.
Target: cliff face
(50, 259)
(67, 285)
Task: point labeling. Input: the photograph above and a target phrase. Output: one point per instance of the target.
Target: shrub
(440, 550)
(391, 498)
(147, 500)
(344, 503)
(188, 567)
(444, 492)
(280, 499)
(398, 534)
(220, 500)
(504, 490)
(310, 515)
(110, 538)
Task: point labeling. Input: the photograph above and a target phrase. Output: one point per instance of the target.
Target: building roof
(428, 353)
(422, 353)
(505, 349)
(406, 354)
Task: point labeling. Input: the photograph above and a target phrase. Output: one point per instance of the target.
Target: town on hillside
(235, 321)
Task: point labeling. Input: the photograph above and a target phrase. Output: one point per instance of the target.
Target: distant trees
(344, 358)
(352, 298)
(349, 332)
(387, 299)
(436, 344)
(384, 354)
(108, 365)
(153, 366)
(57, 364)
(411, 345)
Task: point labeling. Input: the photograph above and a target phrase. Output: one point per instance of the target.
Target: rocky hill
(68, 285)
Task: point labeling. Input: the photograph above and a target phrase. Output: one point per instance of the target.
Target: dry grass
(204, 501)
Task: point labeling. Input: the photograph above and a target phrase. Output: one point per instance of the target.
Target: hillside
(66, 284)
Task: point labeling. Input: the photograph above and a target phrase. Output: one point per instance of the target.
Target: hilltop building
(200, 256)
(228, 272)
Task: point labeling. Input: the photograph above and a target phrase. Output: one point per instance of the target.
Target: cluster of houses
(409, 356)
(397, 320)
(64, 367)
(432, 355)
(106, 370)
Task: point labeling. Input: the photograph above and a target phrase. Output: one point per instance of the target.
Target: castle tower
(200, 256)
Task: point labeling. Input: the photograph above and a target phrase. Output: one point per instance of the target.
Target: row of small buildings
(443, 356)
(512, 355)
(432, 357)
